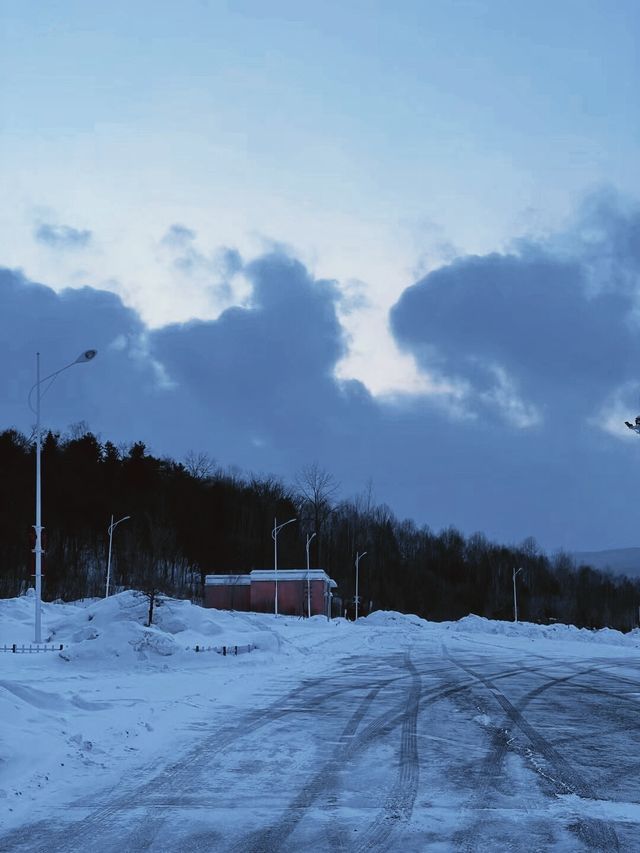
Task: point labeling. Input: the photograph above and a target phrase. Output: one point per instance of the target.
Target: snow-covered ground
(390, 734)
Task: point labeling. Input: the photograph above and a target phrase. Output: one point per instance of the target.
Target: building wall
(228, 596)
(292, 597)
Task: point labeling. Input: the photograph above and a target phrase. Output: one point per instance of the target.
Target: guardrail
(226, 650)
(32, 647)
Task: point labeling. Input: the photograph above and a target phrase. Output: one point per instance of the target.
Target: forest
(192, 518)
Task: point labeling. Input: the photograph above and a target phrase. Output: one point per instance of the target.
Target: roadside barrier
(226, 650)
(41, 647)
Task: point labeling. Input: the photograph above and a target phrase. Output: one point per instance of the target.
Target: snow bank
(111, 631)
(557, 632)
(490, 627)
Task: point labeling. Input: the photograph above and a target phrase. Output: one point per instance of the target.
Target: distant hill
(622, 561)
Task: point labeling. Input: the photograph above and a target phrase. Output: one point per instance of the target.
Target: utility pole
(309, 538)
(110, 530)
(274, 535)
(357, 598)
(515, 595)
(87, 355)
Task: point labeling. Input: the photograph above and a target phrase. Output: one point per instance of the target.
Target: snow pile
(558, 632)
(490, 627)
(111, 631)
(392, 619)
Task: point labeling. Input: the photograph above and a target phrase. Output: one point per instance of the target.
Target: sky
(401, 241)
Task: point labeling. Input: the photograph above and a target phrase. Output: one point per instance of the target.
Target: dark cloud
(264, 374)
(62, 236)
(558, 318)
(537, 343)
(254, 387)
(531, 317)
(34, 318)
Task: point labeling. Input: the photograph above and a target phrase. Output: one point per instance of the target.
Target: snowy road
(457, 744)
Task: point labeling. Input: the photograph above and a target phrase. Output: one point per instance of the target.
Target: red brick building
(297, 590)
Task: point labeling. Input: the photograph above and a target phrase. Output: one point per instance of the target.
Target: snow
(353, 703)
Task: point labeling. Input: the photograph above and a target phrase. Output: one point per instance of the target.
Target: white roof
(227, 580)
(292, 575)
(270, 575)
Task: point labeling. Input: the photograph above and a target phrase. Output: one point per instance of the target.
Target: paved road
(421, 749)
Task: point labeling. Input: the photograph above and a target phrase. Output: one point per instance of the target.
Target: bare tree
(78, 430)
(199, 464)
(317, 489)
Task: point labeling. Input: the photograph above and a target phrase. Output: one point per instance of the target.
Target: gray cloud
(62, 236)
(178, 236)
(555, 319)
(217, 268)
(548, 324)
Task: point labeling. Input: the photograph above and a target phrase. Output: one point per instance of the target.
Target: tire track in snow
(398, 805)
(597, 834)
(272, 839)
(153, 792)
(353, 742)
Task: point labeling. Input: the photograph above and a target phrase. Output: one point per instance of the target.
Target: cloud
(549, 328)
(62, 236)
(264, 373)
(34, 318)
(538, 346)
(178, 236)
(216, 271)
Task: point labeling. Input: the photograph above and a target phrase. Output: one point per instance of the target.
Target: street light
(274, 535)
(309, 538)
(110, 530)
(357, 598)
(515, 597)
(87, 355)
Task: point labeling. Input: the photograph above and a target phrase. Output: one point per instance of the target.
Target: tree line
(192, 518)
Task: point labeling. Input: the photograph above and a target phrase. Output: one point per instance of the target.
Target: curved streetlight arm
(279, 527)
(114, 524)
(87, 355)
(309, 540)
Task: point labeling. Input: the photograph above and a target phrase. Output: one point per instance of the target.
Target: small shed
(297, 589)
(300, 592)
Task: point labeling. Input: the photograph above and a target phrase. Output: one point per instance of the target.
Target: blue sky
(454, 160)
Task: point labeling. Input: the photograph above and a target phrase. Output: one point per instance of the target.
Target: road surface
(468, 747)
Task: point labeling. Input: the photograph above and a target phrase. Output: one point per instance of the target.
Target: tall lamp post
(309, 538)
(87, 355)
(110, 530)
(357, 598)
(515, 595)
(274, 535)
